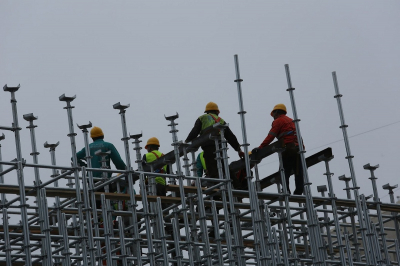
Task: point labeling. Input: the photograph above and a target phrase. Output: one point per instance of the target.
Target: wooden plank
(71, 193)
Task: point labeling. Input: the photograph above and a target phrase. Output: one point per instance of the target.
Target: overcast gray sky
(163, 57)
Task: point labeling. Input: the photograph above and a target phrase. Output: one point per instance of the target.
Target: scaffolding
(251, 227)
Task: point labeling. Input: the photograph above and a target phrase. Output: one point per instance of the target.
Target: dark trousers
(161, 191)
(292, 164)
(211, 162)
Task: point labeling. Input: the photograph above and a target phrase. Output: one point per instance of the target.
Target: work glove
(241, 154)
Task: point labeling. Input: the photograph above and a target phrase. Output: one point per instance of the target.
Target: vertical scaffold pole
(259, 239)
(52, 150)
(20, 175)
(334, 208)
(46, 226)
(203, 224)
(162, 232)
(88, 159)
(349, 158)
(312, 220)
(286, 215)
(88, 212)
(394, 214)
(235, 222)
(184, 210)
(79, 201)
(132, 201)
(7, 245)
(352, 218)
(46, 244)
(107, 228)
(377, 201)
(62, 220)
(122, 244)
(228, 234)
(193, 227)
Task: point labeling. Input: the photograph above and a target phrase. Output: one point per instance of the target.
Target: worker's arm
(232, 140)
(195, 131)
(273, 133)
(80, 156)
(116, 158)
(144, 160)
(199, 166)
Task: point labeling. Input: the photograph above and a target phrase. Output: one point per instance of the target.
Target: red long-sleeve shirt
(282, 127)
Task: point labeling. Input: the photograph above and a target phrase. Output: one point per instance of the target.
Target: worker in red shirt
(284, 128)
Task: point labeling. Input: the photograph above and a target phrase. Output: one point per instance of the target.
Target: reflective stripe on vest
(285, 134)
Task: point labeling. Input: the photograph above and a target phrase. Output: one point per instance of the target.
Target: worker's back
(104, 146)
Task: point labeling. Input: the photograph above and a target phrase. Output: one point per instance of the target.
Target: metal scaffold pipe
(349, 158)
(318, 253)
(20, 174)
(257, 226)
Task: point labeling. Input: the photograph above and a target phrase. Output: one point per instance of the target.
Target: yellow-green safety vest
(207, 120)
(152, 156)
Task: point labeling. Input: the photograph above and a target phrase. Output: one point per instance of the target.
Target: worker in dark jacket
(284, 128)
(202, 126)
(99, 144)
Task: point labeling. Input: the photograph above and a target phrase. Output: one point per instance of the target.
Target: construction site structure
(250, 227)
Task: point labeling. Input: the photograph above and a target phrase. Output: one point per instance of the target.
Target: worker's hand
(241, 154)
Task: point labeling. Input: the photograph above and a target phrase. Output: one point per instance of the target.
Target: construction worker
(98, 143)
(153, 154)
(202, 126)
(284, 128)
(201, 165)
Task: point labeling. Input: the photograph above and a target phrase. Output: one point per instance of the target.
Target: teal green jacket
(100, 144)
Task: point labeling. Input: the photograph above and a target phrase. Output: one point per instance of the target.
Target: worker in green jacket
(99, 144)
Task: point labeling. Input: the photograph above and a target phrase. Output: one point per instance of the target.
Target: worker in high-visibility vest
(201, 165)
(153, 154)
(200, 168)
(202, 126)
(284, 128)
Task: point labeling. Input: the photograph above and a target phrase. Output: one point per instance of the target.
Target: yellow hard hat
(96, 132)
(211, 106)
(279, 106)
(152, 141)
(249, 152)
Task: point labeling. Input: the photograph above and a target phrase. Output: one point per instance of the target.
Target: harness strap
(216, 120)
(158, 157)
